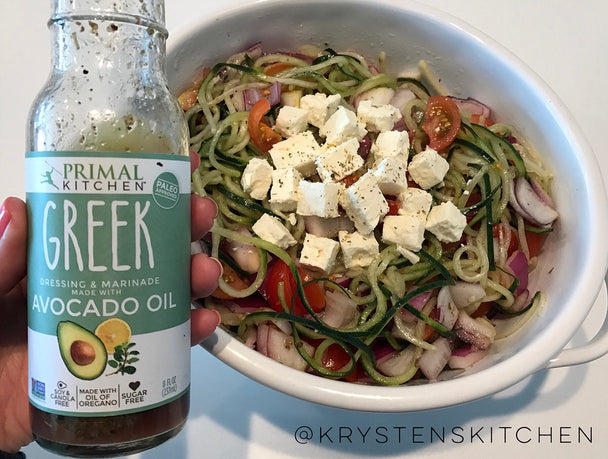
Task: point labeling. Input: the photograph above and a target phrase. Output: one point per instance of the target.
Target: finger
(202, 211)
(204, 275)
(195, 161)
(202, 323)
(13, 243)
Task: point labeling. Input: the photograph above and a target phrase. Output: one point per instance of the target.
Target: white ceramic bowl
(574, 262)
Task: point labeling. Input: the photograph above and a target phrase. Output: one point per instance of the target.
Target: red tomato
(393, 206)
(535, 242)
(428, 330)
(335, 357)
(261, 134)
(482, 310)
(276, 67)
(474, 198)
(350, 179)
(480, 119)
(231, 277)
(280, 272)
(441, 121)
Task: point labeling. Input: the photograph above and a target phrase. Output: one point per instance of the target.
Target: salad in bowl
(373, 227)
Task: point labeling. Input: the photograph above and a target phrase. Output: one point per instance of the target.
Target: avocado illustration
(83, 353)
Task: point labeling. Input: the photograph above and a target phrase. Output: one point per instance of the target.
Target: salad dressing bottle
(108, 196)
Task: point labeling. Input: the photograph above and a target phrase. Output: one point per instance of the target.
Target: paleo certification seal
(166, 190)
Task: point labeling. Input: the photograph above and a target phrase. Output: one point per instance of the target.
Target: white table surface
(549, 414)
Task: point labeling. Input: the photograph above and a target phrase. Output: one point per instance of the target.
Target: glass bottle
(108, 194)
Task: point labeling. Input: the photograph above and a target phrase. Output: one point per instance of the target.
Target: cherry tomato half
(441, 121)
(534, 242)
(261, 134)
(335, 357)
(232, 278)
(280, 272)
(393, 206)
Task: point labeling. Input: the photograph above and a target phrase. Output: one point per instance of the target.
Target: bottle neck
(106, 47)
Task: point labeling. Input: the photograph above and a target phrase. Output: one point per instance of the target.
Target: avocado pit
(82, 353)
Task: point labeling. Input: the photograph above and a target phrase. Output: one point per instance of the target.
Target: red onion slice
(255, 51)
(533, 206)
(246, 255)
(448, 312)
(262, 338)
(478, 332)
(417, 302)
(282, 348)
(272, 93)
(365, 146)
(466, 357)
(396, 363)
(521, 301)
(518, 265)
(432, 362)
(473, 107)
(340, 310)
(542, 194)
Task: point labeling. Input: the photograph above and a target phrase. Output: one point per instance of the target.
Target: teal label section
(109, 237)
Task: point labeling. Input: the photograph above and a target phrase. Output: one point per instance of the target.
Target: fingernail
(5, 219)
(214, 204)
(217, 316)
(220, 265)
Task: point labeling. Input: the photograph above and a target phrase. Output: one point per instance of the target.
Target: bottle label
(108, 281)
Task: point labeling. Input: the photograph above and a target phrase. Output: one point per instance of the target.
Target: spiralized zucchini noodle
(346, 292)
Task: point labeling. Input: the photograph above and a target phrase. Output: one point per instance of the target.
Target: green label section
(97, 255)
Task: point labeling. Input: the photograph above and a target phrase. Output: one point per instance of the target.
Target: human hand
(15, 430)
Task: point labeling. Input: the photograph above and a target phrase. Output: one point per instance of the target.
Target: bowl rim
(502, 374)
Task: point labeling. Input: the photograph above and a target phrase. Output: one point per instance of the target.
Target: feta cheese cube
(319, 198)
(320, 107)
(415, 201)
(391, 143)
(391, 175)
(377, 118)
(428, 168)
(284, 191)
(364, 203)
(335, 163)
(272, 230)
(358, 250)
(446, 222)
(406, 231)
(291, 121)
(256, 178)
(341, 126)
(319, 253)
(379, 96)
(297, 151)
